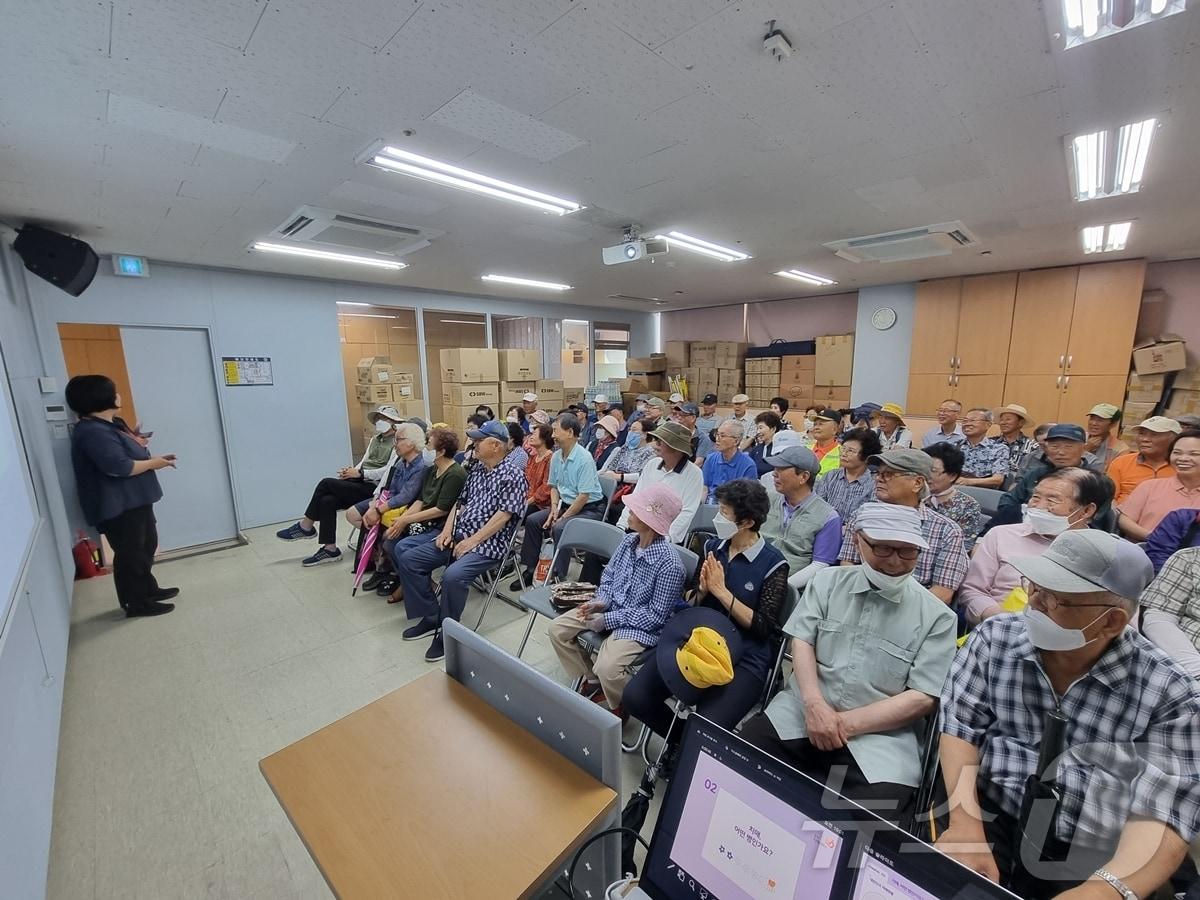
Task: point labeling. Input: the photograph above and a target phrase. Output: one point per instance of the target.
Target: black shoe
(164, 594)
(517, 586)
(437, 650)
(373, 580)
(420, 630)
(148, 609)
(385, 587)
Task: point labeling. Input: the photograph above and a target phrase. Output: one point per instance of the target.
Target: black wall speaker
(63, 261)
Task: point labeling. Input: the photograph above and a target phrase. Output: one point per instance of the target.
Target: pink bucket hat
(656, 505)
(610, 424)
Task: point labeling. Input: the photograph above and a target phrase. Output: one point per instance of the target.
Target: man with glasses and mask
(1064, 500)
(871, 649)
(1128, 783)
(903, 479)
(948, 429)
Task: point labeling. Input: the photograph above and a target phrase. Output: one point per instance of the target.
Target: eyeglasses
(947, 409)
(889, 474)
(905, 553)
(847, 451)
(1052, 601)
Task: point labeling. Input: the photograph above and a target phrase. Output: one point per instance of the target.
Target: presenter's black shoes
(295, 533)
(437, 650)
(164, 594)
(323, 555)
(420, 630)
(134, 611)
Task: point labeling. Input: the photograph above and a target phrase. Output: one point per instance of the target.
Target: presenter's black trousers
(133, 536)
(330, 497)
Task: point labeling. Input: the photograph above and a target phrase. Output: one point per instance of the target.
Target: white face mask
(808, 423)
(1046, 634)
(723, 527)
(641, 407)
(884, 583)
(429, 455)
(382, 426)
(1044, 522)
(512, 420)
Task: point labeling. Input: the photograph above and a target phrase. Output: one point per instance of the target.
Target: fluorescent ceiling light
(527, 282)
(705, 248)
(326, 254)
(1106, 238)
(460, 322)
(365, 316)
(351, 303)
(1090, 20)
(1099, 172)
(806, 277)
(396, 160)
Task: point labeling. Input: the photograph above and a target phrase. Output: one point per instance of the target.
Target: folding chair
(586, 535)
(608, 487)
(921, 819)
(789, 606)
(989, 499)
(702, 523)
(495, 575)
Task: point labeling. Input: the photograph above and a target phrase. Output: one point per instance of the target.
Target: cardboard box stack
(646, 374)
(1141, 397)
(797, 380)
(552, 395)
(466, 374)
(1184, 399)
(1166, 353)
(762, 380)
(715, 367)
(381, 384)
(834, 365)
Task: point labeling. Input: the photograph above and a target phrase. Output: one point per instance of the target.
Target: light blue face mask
(633, 439)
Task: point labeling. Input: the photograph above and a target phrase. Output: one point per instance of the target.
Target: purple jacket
(1172, 534)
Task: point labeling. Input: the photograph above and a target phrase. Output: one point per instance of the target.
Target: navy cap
(1067, 432)
(689, 409)
(708, 399)
(492, 429)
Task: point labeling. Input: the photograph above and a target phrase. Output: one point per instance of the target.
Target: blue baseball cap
(1066, 432)
(491, 429)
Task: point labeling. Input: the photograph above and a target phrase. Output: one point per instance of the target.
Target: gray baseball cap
(688, 409)
(796, 456)
(905, 459)
(1086, 560)
(658, 403)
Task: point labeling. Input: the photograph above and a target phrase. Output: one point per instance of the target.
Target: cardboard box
(835, 360)
(730, 354)
(511, 392)
(520, 365)
(836, 395)
(402, 393)
(1187, 380)
(702, 355)
(1184, 403)
(1165, 354)
(1136, 412)
(643, 384)
(549, 386)
(472, 395)
(729, 381)
(707, 378)
(470, 366)
(403, 377)
(798, 362)
(798, 394)
(637, 365)
(766, 365)
(807, 377)
(409, 408)
(374, 394)
(374, 370)
(677, 354)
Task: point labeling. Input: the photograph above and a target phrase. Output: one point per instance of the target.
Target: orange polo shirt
(1130, 470)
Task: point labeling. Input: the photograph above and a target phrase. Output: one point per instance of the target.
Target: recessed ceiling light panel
(267, 247)
(1090, 20)
(1106, 238)
(704, 248)
(1109, 163)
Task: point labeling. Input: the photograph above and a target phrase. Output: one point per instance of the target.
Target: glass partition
(576, 353)
(447, 330)
(390, 335)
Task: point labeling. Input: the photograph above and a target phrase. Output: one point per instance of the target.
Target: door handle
(952, 362)
(1066, 382)
(949, 381)
(1070, 359)
(956, 381)
(1062, 361)
(1058, 382)
(958, 362)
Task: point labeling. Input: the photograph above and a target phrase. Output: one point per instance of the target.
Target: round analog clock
(883, 318)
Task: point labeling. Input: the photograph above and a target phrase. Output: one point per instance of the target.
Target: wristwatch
(1116, 884)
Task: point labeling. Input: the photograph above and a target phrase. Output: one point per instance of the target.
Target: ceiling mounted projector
(631, 251)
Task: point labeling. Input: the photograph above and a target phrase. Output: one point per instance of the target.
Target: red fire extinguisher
(87, 558)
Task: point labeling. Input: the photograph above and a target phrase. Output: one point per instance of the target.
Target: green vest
(796, 541)
(379, 451)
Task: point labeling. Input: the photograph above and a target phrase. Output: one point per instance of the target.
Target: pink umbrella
(364, 552)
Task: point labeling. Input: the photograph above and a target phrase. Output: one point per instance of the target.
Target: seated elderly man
(473, 539)
(985, 463)
(870, 649)
(727, 463)
(1065, 499)
(806, 529)
(639, 590)
(903, 479)
(1172, 610)
(1012, 438)
(1128, 777)
(1152, 460)
(1064, 448)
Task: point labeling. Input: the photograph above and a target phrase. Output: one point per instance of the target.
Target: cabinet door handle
(956, 381)
(1066, 382)
(1070, 359)
(958, 362)
(949, 381)
(1058, 382)
(952, 362)
(1062, 361)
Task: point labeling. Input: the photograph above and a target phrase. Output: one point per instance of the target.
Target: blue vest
(745, 578)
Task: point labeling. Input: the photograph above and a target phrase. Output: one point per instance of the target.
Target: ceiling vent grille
(329, 229)
(635, 299)
(908, 244)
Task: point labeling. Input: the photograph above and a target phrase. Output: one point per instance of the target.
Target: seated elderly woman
(744, 578)
(641, 587)
(945, 497)
(604, 439)
(624, 465)
(540, 447)
(1142, 511)
(766, 426)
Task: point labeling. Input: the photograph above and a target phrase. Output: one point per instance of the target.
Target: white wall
(33, 640)
(285, 437)
(881, 357)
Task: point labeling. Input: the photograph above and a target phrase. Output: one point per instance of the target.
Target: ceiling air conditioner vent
(909, 244)
(326, 228)
(635, 299)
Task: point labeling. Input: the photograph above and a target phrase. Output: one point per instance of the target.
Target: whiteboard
(18, 507)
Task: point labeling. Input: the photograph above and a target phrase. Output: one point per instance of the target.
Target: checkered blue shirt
(985, 459)
(641, 589)
(488, 491)
(844, 495)
(1132, 738)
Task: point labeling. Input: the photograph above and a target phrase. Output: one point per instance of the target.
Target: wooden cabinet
(1108, 298)
(1041, 327)
(1081, 392)
(979, 390)
(935, 328)
(985, 319)
(1040, 394)
(926, 392)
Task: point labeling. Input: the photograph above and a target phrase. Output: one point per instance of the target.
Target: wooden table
(430, 793)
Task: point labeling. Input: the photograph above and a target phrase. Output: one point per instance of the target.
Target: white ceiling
(184, 130)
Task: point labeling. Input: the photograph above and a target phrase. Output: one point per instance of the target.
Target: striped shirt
(641, 587)
(1133, 748)
(944, 563)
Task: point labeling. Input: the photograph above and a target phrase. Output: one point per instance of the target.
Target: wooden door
(985, 323)
(926, 392)
(1040, 394)
(1107, 301)
(1041, 327)
(935, 327)
(979, 390)
(1082, 392)
(97, 350)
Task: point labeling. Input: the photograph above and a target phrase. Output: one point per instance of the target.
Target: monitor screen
(894, 865)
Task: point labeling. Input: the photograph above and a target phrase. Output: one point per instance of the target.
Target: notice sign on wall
(247, 370)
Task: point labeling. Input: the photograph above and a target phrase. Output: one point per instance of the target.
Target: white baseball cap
(600, 398)
(530, 398)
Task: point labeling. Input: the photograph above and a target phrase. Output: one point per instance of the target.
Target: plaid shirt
(984, 460)
(844, 495)
(1018, 451)
(944, 563)
(1133, 746)
(489, 491)
(1176, 591)
(640, 590)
